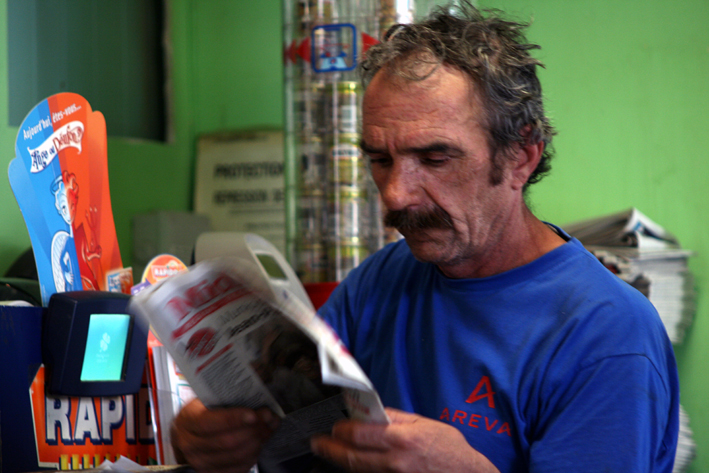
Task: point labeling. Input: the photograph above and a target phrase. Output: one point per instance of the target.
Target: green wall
(627, 85)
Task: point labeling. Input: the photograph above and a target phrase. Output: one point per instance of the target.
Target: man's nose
(398, 189)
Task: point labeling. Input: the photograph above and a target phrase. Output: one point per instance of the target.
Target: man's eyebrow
(368, 149)
(435, 147)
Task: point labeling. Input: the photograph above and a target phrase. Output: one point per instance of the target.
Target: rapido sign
(78, 433)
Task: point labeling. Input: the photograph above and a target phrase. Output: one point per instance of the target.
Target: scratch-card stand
(60, 181)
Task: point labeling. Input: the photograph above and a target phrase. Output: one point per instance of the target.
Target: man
(502, 343)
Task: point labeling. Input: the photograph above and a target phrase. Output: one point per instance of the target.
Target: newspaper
(240, 342)
(628, 228)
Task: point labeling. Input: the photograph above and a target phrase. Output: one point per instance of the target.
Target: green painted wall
(237, 64)
(627, 84)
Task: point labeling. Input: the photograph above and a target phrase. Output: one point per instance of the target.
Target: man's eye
(379, 161)
(437, 160)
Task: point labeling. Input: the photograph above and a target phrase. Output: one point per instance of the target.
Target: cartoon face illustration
(66, 196)
(62, 268)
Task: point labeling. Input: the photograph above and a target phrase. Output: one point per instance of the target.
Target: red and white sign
(77, 433)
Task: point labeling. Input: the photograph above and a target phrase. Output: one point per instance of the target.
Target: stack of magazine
(686, 447)
(650, 258)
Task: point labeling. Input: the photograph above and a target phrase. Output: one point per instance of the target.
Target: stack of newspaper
(238, 341)
(650, 258)
(686, 447)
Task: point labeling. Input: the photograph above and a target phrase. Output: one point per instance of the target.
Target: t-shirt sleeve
(617, 414)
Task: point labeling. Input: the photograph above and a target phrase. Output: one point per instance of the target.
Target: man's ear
(527, 157)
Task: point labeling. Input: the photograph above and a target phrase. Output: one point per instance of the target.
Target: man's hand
(220, 440)
(411, 443)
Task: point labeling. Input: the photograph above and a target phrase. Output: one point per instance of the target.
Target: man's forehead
(447, 95)
(444, 84)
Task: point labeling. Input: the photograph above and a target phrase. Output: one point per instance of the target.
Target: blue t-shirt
(554, 366)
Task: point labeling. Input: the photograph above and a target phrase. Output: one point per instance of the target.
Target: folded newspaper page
(240, 342)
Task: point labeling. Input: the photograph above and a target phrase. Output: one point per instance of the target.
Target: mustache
(408, 220)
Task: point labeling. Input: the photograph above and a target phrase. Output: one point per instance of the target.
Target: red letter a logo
(476, 396)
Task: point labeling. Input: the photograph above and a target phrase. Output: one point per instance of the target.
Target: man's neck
(521, 240)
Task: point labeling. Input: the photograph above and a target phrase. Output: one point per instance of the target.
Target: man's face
(430, 160)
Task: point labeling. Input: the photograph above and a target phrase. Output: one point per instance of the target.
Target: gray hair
(495, 54)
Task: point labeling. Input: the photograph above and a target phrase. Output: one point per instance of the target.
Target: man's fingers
(226, 442)
(409, 443)
(362, 435)
(376, 436)
(356, 461)
(400, 417)
(221, 440)
(200, 421)
(335, 451)
(236, 450)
